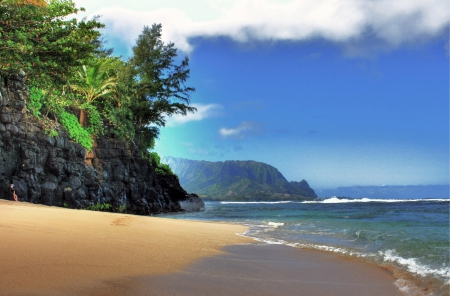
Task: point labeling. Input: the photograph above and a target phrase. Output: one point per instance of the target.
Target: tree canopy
(157, 84)
(74, 80)
(39, 38)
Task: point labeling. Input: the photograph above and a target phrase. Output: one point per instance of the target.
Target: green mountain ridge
(237, 180)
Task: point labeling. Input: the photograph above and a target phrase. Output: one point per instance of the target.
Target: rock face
(237, 180)
(56, 171)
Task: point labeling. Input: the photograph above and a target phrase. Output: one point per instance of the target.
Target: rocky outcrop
(56, 171)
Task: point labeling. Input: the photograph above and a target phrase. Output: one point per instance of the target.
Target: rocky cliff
(56, 171)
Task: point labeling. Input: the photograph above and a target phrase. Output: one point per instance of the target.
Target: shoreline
(54, 251)
(268, 269)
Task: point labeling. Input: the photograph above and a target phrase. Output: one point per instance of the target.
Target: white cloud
(344, 21)
(241, 130)
(203, 111)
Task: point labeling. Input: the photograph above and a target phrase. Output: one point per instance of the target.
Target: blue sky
(339, 93)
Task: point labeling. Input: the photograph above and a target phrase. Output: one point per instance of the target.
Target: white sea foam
(410, 264)
(275, 224)
(341, 251)
(345, 200)
(255, 202)
(413, 266)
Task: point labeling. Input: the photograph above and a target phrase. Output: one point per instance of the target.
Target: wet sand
(272, 270)
(54, 251)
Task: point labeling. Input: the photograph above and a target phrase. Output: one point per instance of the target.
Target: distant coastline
(400, 192)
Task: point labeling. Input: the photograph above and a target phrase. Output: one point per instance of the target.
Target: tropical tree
(40, 38)
(93, 82)
(156, 85)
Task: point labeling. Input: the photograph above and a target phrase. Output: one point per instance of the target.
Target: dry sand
(46, 249)
(54, 251)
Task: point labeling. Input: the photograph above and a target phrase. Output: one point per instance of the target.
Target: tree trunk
(82, 117)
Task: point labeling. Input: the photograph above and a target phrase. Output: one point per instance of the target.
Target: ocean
(410, 238)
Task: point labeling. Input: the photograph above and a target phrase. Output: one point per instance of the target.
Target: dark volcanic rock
(56, 171)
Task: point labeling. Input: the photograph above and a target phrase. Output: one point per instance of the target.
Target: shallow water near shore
(408, 237)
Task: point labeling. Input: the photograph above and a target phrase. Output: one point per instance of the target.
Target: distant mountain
(400, 192)
(237, 180)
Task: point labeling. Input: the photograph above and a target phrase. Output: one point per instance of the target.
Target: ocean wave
(273, 241)
(389, 256)
(275, 224)
(256, 202)
(345, 200)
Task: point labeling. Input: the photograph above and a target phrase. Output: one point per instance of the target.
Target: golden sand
(48, 248)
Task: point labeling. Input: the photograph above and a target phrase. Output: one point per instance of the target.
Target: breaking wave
(346, 200)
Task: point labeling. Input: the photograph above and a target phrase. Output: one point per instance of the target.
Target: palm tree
(94, 82)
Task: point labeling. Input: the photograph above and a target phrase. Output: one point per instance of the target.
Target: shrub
(103, 207)
(36, 100)
(161, 168)
(122, 208)
(95, 120)
(76, 131)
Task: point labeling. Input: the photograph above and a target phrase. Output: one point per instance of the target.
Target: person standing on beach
(13, 191)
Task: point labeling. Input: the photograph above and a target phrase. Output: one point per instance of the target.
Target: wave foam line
(413, 266)
(255, 202)
(345, 200)
(409, 265)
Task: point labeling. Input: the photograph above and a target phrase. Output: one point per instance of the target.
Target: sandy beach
(55, 251)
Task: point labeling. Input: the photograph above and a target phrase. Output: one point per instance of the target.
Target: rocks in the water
(57, 171)
(193, 204)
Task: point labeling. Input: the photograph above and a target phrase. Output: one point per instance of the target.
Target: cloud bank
(393, 23)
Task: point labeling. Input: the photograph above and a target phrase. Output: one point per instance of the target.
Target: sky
(336, 92)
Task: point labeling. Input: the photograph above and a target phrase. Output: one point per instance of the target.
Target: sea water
(410, 238)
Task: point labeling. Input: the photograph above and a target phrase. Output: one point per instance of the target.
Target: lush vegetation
(160, 168)
(73, 80)
(101, 207)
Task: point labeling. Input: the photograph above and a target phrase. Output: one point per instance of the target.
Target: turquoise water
(409, 237)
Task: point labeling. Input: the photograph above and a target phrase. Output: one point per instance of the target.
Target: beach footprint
(122, 221)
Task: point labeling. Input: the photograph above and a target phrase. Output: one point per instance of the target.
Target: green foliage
(153, 157)
(43, 40)
(160, 168)
(51, 133)
(103, 207)
(65, 205)
(120, 122)
(76, 131)
(95, 126)
(156, 85)
(69, 72)
(36, 101)
(122, 208)
(166, 168)
(96, 80)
